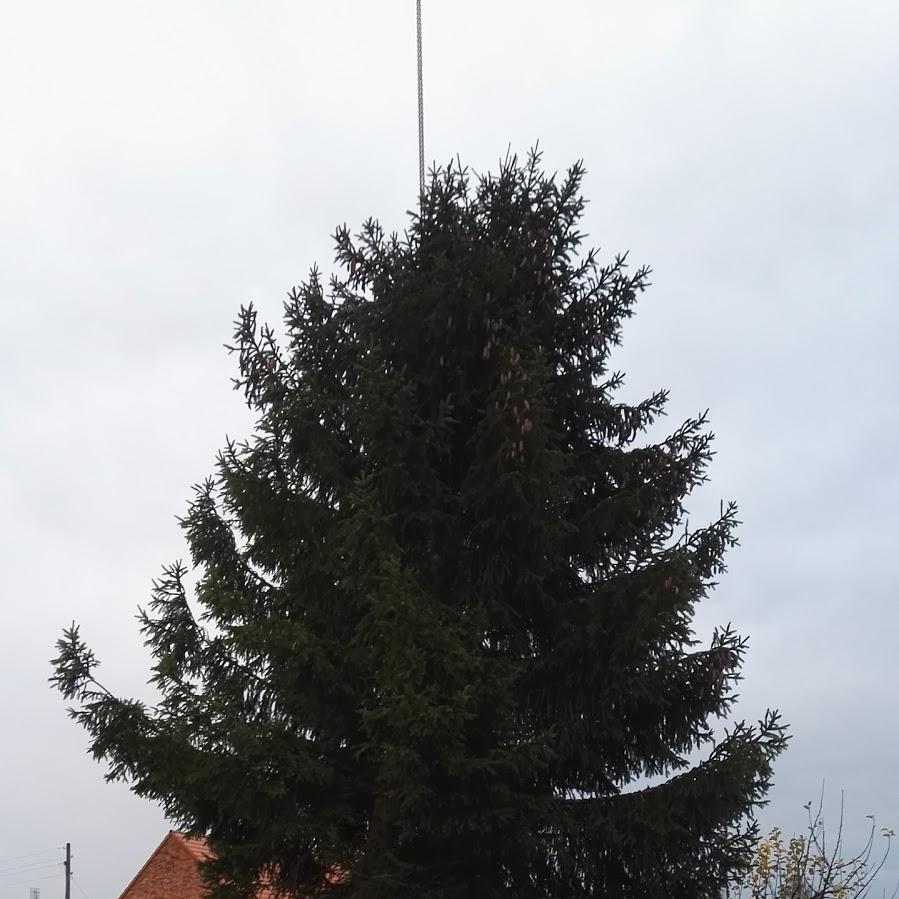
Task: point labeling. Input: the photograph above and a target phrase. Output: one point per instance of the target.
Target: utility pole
(68, 867)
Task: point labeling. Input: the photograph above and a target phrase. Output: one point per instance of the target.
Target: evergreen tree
(441, 632)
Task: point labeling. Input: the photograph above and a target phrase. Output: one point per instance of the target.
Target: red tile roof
(173, 872)
(196, 846)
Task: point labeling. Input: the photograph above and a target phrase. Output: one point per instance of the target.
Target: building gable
(171, 872)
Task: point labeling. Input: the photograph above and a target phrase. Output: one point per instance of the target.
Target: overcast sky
(160, 164)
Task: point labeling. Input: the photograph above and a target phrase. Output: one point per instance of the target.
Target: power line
(80, 888)
(21, 869)
(12, 858)
(30, 880)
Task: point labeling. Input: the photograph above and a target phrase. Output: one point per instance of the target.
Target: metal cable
(31, 880)
(421, 106)
(32, 854)
(80, 888)
(24, 869)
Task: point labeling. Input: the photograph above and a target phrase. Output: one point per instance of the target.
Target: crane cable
(421, 105)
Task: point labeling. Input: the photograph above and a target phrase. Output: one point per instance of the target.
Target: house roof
(173, 871)
(196, 846)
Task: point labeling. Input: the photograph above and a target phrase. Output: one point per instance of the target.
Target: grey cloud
(161, 166)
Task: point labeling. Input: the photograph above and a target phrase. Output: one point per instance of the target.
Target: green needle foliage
(442, 624)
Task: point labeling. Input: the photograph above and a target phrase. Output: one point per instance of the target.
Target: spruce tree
(440, 639)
